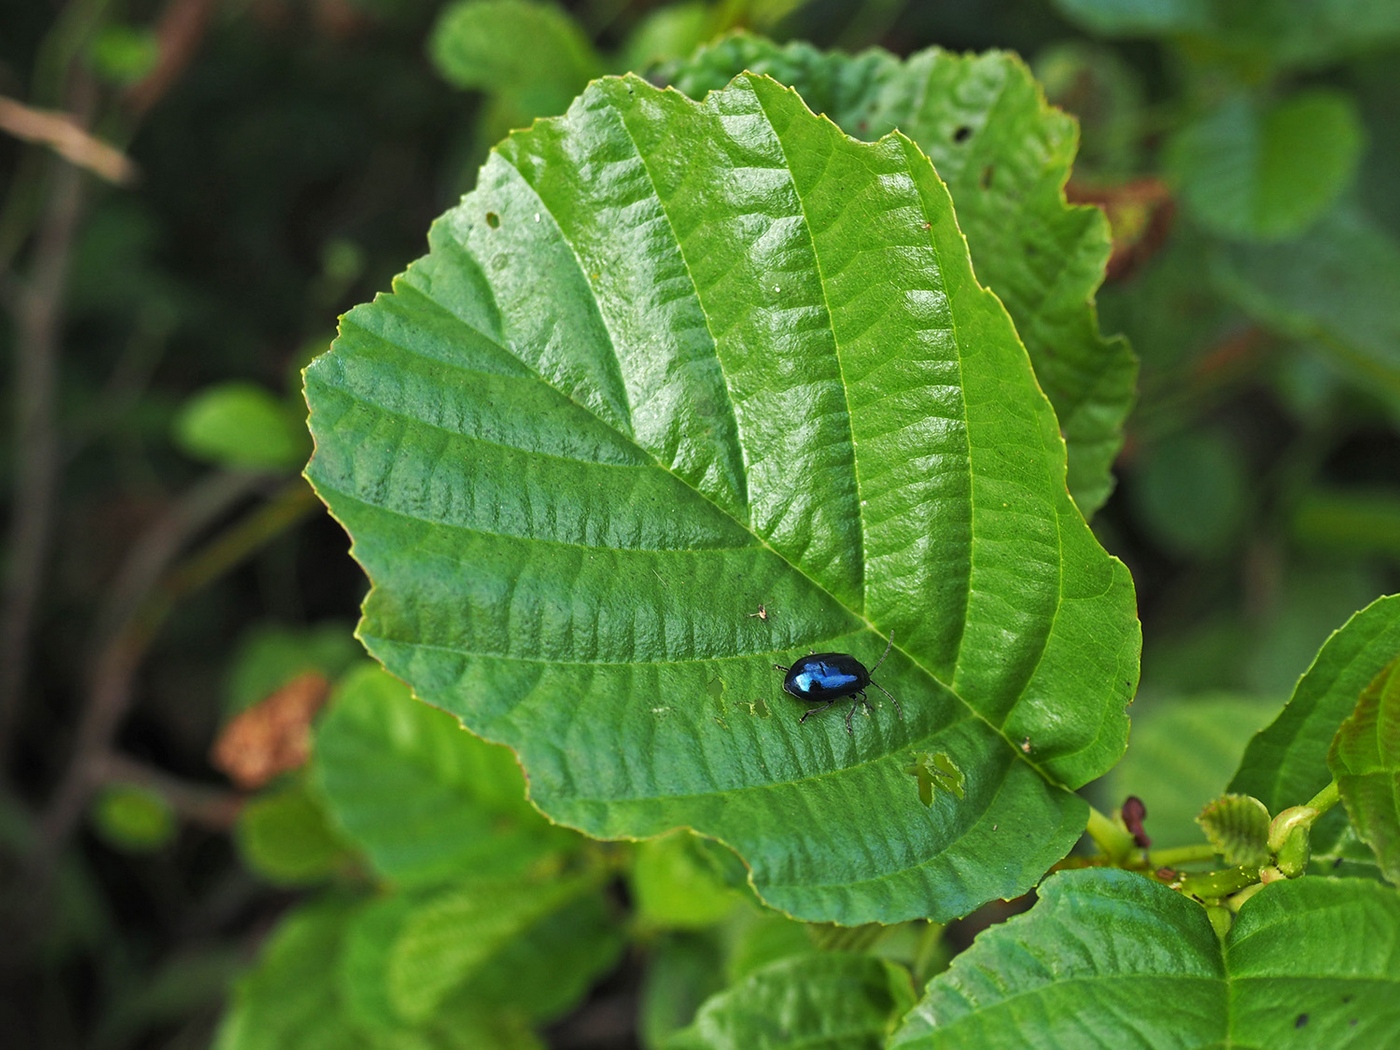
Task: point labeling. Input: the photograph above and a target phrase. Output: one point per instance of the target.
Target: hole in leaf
(962, 134)
(493, 220)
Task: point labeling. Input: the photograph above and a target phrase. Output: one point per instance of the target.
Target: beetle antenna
(883, 655)
(898, 710)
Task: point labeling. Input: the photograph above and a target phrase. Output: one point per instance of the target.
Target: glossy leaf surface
(672, 362)
(1365, 760)
(1005, 155)
(831, 1001)
(1109, 958)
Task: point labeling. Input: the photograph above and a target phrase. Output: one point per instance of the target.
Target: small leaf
(1265, 175)
(532, 53)
(675, 887)
(426, 800)
(284, 837)
(1189, 493)
(1110, 958)
(242, 426)
(133, 818)
(832, 999)
(1365, 759)
(124, 54)
(1286, 763)
(577, 449)
(1238, 827)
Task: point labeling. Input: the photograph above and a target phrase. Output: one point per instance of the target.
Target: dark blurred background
(270, 163)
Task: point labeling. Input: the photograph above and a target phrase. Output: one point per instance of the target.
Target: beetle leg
(848, 717)
(817, 710)
(780, 667)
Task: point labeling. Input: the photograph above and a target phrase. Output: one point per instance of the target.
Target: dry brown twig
(67, 137)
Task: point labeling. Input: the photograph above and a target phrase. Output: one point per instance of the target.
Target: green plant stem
(1324, 799)
(1215, 885)
(1112, 839)
(1178, 855)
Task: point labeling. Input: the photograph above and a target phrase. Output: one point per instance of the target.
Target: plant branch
(200, 804)
(38, 321)
(111, 684)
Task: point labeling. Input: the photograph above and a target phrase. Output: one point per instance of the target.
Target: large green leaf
(1365, 759)
(1111, 959)
(672, 362)
(832, 1001)
(424, 799)
(1005, 155)
(1286, 763)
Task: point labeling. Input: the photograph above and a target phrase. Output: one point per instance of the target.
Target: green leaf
(1005, 156)
(604, 421)
(124, 54)
(424, 799)
(1268, 174)
(532, 53)
(668, 33)
(1183, 752)
(1337, 286)
(683, 970)
(531, 945)
(133, 818)
(290, 999)
(242, 426)
(1262, 33)
(1190, 493)
(675, 886)
(283, 836)
(1238, 827)
(1109, 958)
(1286, 763)
(1353, 520)
(831, 1000)
(1365, 760)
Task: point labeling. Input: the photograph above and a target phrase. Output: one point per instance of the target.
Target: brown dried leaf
(274, 735)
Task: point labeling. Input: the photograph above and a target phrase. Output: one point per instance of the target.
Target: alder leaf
(673, 364)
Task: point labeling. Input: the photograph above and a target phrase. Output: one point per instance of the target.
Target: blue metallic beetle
(833, 676)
